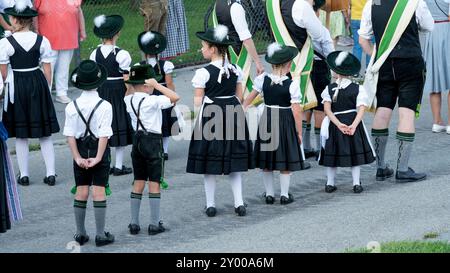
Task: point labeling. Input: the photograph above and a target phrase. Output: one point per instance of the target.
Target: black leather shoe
(81, 239)
(305, 165)
(166, 156)
(383, 174)
(310, 153)
(134, 229)
(118, 172)
(358, 189)
(269, 199)
(211, 211)
(24, 181)
(241, 210)
(330, 189)
(153, 230)
(50, 180)
(103, 241)
(409, 176)
(286, 200)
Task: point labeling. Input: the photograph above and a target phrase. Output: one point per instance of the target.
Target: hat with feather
(22, 8)
(280, 54)
(152, 42)
(217, 35)
(106, 27)
(344, 63)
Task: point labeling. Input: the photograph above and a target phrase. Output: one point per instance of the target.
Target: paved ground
(317, 221)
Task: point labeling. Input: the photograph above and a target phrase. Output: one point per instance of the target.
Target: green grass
(410, 247)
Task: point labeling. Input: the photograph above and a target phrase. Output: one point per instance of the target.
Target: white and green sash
(303, 63)
(400, 18)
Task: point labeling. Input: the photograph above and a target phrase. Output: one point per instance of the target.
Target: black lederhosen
(320, 79)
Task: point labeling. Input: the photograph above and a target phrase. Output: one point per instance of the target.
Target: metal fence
(198, 17)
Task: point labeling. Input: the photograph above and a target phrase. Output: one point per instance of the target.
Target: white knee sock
(356, 173)
(210, 189)
(331, 175)
(119, 157)
(166, 144)
(268, 183)
(236, 187)
(22, 155)
(48, 152)
(285, 180)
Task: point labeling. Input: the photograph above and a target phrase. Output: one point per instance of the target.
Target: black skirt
(5, 221)
(114, 91)
(227, 148)
(344, 150)
(169, 123)
(277, 148)
(33, 114)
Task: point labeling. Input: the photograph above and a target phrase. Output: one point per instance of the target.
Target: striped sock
(155, 203)
(405, 143)
(380, 138)
(80, 215)
(100, 217)
(135, 207)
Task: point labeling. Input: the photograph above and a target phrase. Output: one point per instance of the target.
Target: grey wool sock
(135, 207)
(317, 134)
(405, 144)
(100, 217)
(306, 135)
(155, 202)
(380, 138)
(80, 215)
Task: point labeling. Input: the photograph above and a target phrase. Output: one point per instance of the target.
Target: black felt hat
(344, 63)
(217, 35)
(107, 26)
(280, 54)
(21, 9)
(152, 42)
(88, 75)
(141, 72)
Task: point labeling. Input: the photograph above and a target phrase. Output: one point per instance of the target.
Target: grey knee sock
(155, 202)
(380, 138)
(100, 217)
(317, 134)
(135, 207)
(306, 135)
(405, 144)
(80, 215)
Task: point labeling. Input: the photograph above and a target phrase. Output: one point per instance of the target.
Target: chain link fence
(198, 15)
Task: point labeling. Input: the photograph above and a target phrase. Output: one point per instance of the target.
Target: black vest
(298, 34)
(276, 94)
(346, 99)
(214, 89)
(223, 11)
(409, 44)
(110, 62)
(25, 59)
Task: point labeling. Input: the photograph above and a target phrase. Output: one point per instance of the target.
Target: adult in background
(155, 15)
(62, 22)
(176, 31)
(436, 55)
(355, 24)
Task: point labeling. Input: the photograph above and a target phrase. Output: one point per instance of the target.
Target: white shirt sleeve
(106, 117)
(163, 102)
(93, 55)
(326, 46)
(200, 79)
(326, 95)
(124, 60)
(47, 54)
(294, 90)
(168, 67)
(1, 85)
(240, 74)
(362, 98)
(70, 125)
(366, 29)
(6, 52)
(239, 21)
(424, 18)
(305, 17)
(258, 83)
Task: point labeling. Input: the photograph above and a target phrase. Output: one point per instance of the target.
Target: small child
(88, 128)
(147, 154)
(345, 142)
(282, 98)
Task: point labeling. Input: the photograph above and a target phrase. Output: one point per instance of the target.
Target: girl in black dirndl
(277, 146)
(153, 43)
(117, 61)
(345, 142)
(220, 143)
(28, 106)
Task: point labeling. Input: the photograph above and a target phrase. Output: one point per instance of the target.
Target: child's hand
(151, 82)
(343, 128)
(351, 130)
(300, 138)
(93, 161)
(82, 163)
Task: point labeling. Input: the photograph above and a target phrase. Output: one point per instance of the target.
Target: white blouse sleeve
(239, 21)
(47, 54)
(296, 95)
(106, 116)
(124, 60)
(362, 99)
(6, 51)
(70, 125)
(168, 67)
(240, 75)
(93, 55)
(259, 82)
(326, 95)
(366, 29)
(200, 79)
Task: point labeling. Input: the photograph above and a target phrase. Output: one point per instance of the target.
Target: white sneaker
(63, 99)
(437, 128)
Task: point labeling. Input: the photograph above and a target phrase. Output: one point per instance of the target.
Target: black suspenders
(137, 113)
(88, 131)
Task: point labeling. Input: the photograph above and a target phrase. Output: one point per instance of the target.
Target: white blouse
(294, 88)
(168, 66)
(123, 58)
(361, 100)
(27, 40)
(201, 76)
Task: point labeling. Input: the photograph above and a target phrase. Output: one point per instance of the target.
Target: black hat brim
(291, 51)
(203, 36)
(150, 50)
(28, 13)
(91, 85)
(109, 34)
(352, 69)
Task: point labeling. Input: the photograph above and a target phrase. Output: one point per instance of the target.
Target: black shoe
(310, 153)
(269, 199)
(383, 174)
(286, 200)
(409, 176)
(211, 211)
(134, 229)
(166, 156)
(357, 189)
(118, 172)
(153, 230)
(330, 189)
(103, 241)
(24, 181)
(241, 210)
(81, 239)
(50, 180)
(305, 165)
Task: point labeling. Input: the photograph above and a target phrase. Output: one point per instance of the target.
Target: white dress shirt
(201, 76)
(123, 58)
(239, 21)
(324, 46)
(423, 17)
(294, 88)
(27, 40)
(305, 17)
(150, 114)
(361, 100)
(101, 121)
